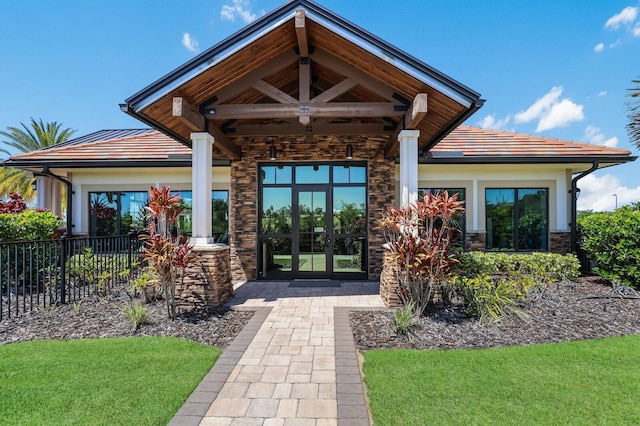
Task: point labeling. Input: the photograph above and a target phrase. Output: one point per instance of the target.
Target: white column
(48, 195)
(476, 205)
(201, 152)
(408, 166)
(562, 222)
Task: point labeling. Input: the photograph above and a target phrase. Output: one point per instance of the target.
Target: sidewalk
(294, 363)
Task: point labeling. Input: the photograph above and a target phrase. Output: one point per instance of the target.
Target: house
(289, 138)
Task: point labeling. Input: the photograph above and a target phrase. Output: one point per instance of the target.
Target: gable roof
(464, 145)
(266, 61)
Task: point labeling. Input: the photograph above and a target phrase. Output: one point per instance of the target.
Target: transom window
(517, 219)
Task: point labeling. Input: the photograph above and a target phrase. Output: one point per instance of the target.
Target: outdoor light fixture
(34, 185)
(272, 152)
(349, 151)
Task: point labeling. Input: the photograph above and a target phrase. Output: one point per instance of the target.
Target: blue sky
(560, 69)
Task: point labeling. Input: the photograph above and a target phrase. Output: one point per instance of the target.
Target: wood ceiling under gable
(303, 79)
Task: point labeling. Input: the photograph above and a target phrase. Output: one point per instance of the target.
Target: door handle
(327, 240)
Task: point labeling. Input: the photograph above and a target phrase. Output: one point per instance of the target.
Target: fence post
(130, 250)
(63, 269)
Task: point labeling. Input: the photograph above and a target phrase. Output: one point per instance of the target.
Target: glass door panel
(349, 229)
(312, 231)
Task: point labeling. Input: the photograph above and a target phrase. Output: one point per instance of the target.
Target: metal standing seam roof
(463, 144)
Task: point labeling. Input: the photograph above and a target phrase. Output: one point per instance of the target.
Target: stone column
(408, 166)
(201, 152)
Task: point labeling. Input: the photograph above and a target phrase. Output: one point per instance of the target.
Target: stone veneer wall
(209, 283)
(476, 241)
(244, 189)
(560, 242)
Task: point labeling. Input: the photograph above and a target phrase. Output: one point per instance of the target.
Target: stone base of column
(560, 242)
(208, 284)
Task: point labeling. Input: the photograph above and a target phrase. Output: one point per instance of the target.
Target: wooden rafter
(301, 33)
(318, 129)
(273, 92)
(415, 113)
(269, 68)
(335, 91)
(225, 144)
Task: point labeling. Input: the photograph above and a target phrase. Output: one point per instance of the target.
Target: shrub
(419, 241)
(612, 240)
(15, 204)
(543, 267)
(491, 299)
(28, 225)
(403, 320)
(136, 315)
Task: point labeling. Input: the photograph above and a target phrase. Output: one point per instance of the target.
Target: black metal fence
(42, 274)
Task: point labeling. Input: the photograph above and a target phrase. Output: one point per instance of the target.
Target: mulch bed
(100, 317)
(583, 310)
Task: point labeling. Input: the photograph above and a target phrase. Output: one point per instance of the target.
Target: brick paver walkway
(294, 363)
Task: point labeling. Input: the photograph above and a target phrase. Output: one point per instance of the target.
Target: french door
(312, 221)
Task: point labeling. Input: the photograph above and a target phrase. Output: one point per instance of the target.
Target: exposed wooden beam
(188, 115)
(267, 69)
(349, 70)
(301, 33)
(273, 92)
(304, 92)
(318, 129)
(329, 109)
(416, 112)
(335, 91)
(224, 143)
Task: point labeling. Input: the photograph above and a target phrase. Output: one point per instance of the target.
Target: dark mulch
(583, 310)
(100, 317)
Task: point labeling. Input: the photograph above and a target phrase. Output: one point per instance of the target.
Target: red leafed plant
(166, 253)
(15, 204)
(418, 245)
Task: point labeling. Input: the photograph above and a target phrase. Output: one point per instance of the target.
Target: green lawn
(578, 383)
(136, 381)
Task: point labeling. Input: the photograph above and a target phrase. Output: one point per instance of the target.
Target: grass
(577, 383)
(138, 380)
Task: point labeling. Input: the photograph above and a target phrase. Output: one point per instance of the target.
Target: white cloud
(593, 135)
(599, 47)
(603, 93)
(618, 42)
(627, 16)
(490, 122)
(190, 43)
(551, 111)
(241, 9)
(636, 30)
(597, 193)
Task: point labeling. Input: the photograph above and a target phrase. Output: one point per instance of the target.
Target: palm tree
(39, 135)
(633, 127)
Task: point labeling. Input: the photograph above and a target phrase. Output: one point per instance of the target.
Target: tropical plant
(633, 127)
(418, 245)
(29, 138)
(168, 254)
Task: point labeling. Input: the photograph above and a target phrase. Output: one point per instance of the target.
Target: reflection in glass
(348, 254)
(312, 209)
(532, 219)
(349, 211)
(500, 218)
(275, 217)
(276, 257)
(219, 214)
(312, 174)
(349, 174)
(275, 175)
(116, 213)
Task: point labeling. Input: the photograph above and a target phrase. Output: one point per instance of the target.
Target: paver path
(293, 364)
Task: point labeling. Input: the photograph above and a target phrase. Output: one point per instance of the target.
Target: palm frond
(36, 135)
(633, 126)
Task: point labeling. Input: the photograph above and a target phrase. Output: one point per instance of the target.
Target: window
(116, 213)
(460, 219)
(219, 214)
(517, 219)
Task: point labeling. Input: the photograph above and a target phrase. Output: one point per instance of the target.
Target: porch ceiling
(303, 71)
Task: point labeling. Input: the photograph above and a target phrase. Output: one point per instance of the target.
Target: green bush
(30, 225)
(543, 267)
(491, 299)
(612, 241)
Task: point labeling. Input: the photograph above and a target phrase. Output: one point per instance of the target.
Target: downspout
(45, 172)
(574, 204)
